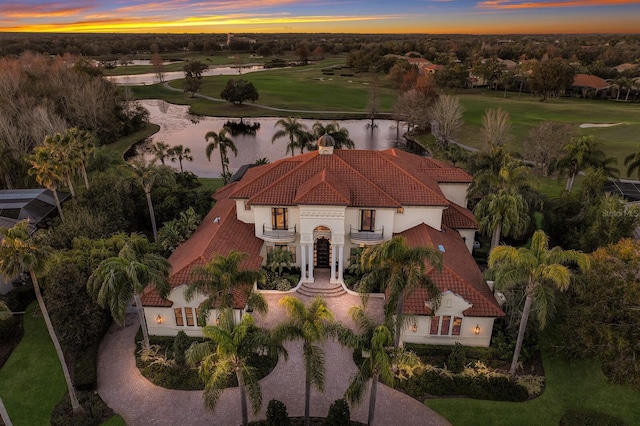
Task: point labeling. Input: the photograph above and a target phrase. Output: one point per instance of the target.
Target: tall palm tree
(218, 278)
(539, 270)
(507, 197)
(399, 269)
(222, 142)
(119, 278)
(227, 354)
(59, 148)
(46, 172)
(312, 324)
(581, 153)
(632, 161)
(180, 153)
(18, 253)
(295, 130)
(383, 359)
(82, 144)
(339, 134)
(160, 151)
(148, 175)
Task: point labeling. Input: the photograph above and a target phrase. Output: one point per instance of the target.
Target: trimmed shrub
(339, 413)
(277, 414)
(457, 359)
(85, 369)
(94, 412)
(589, 418)
(180, 345)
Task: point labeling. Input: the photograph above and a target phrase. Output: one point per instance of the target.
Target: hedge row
(431, 383)
(589, 418)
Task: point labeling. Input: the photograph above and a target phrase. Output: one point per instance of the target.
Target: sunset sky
(349, 16)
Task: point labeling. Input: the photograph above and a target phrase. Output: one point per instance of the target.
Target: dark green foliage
(85, 372)
(457, 358)
(94, 411)
(429, 383)
(238, 91)
(277, 414)
(180, 378)
(10, 328)
(180, 344)
(589, 418)
(20, 297)
(77, 319)
(109, 195)
(339, 413)
(80, 221)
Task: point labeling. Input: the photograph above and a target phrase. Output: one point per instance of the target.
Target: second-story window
(368, 220)
(279, 218)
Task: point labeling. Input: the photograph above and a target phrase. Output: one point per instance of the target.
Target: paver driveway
(139, 402)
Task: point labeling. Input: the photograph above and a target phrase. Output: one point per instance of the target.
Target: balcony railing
(366, 237)
(284, 235)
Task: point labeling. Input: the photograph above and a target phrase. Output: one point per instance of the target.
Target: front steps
(324, 290)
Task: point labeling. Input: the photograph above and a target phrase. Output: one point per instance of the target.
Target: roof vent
(441, 247)
(217, 219)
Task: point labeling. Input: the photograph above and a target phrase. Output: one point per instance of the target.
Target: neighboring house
(585, 83)
(424, 66)
(321, 206)
(33, 204)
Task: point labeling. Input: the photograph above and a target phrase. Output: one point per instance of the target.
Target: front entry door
(322, 253)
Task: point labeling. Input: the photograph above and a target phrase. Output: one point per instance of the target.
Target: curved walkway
(139, 402)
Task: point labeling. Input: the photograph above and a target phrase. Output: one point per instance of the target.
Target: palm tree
(82, 146)
(18, 253)
(148, 175)
(160, 151)
(339, 134)
(180, 153)
(221, 142)
(581, 153)
(399, 269)
(313, 325)
(278, 259)
(539, 270)
(217, 280)
(295, 130)
(228, 354)
(46, 172)
(119, 278)
(507, 197)
(59, 148)
(377, 340)
(632, 161)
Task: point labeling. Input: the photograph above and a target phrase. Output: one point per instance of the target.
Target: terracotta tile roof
(365, 178)
(323, 189)
(460, 274)
(590, 81)
(457, 217)
(210, 239)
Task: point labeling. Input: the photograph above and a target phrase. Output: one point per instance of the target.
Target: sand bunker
(587, 125)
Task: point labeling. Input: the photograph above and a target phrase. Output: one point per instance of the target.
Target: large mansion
(322, 205)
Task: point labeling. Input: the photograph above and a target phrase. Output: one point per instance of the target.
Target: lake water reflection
(177, 126)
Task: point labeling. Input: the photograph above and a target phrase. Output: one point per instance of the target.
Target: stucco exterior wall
(455, 192)
(243, 215)
(469, 235)
(413, 216)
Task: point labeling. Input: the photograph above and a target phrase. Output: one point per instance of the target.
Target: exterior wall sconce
(476, 330)
(159, 319)
(414, 328)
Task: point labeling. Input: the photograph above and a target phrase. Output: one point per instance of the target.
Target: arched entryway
(323, 253)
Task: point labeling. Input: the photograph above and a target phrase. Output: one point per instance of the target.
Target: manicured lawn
(31, 382)
(527, 111)
(570, 385)
(211, 184)
(122, 144)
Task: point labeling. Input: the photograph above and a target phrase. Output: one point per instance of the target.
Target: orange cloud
(21, 11)
(506, 4)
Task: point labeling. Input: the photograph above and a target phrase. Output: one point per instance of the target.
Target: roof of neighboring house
(356, 178)
(590, 81)
(460, 273)
(219, 233)
(32, 204)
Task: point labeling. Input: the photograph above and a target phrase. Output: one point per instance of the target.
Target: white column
(303, 262)
(311, 262)
(340, 261)
(333, 263)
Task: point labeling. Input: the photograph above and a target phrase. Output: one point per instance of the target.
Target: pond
(178, 127)
(150, 78)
